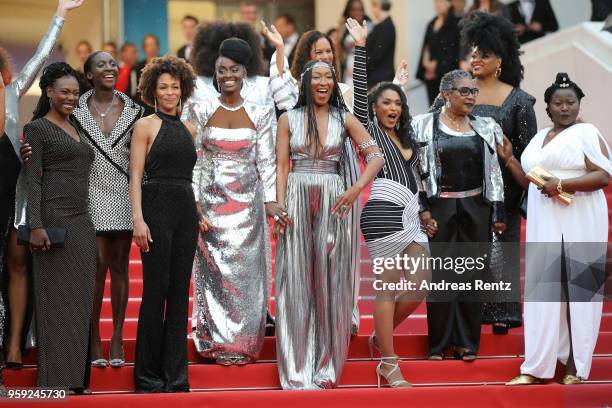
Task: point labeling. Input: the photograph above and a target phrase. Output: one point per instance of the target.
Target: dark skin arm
(594, 180)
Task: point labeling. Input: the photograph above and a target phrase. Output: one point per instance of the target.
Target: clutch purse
(57, 236)
(535, 176)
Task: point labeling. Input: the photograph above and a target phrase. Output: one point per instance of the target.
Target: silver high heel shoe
(384, 361)
(372, 345)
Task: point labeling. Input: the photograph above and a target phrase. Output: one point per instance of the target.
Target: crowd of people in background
(191, 157)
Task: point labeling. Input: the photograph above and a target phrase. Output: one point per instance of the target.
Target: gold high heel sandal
(570, 379)
(524, 379)
(384, 361)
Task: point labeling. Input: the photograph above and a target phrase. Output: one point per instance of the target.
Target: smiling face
(104, 71)
(321, 85)
(564, 107)
(64, 95)
(229, 75)
(356, 11)
(322, 51)
(483, 63)
(388, 108)
(167, 93)
(460, 104)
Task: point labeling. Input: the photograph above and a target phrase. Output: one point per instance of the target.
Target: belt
(461, 194)
(168, 181)
(315, 166)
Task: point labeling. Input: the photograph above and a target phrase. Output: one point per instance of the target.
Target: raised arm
(360, 76)
(24, 79)
(374, 162)
(138, 153)
(282, 86)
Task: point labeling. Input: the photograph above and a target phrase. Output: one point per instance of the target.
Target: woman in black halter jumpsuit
(170, 219)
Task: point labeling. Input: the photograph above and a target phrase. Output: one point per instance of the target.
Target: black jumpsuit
(169, 209)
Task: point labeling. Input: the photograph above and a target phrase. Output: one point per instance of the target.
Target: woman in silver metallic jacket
(465, 194)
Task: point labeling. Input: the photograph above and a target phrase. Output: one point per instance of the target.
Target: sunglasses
(465, 91)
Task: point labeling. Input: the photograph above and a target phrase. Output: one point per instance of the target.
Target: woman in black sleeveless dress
(165, 225)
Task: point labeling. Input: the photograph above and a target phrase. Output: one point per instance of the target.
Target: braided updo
(50, 75)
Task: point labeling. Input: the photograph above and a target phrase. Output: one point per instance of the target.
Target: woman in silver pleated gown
(234, 176)
(313, 278)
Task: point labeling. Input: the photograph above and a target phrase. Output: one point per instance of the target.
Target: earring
(180, 106)
(498, 72)
(447, 104)
(155, 105)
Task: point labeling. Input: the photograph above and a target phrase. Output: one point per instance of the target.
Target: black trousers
(457, 322)
(161, 343)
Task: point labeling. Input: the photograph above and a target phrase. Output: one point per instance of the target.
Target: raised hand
(64, 6)
(359, 32)
(272, 35)
(401, 74)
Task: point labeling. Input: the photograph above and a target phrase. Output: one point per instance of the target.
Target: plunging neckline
(107, 136)
(398, 148)
(327, 132)
(554, 138)
(503, 102)
(64, 131)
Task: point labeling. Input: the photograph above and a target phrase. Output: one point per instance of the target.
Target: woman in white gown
(566, 244)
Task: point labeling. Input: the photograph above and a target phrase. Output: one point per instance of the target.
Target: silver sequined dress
(234, 176)
(313, 258)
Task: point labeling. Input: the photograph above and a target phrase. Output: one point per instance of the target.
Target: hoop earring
(155, 105)
(447, 104)
(498, 72)
(180, 106)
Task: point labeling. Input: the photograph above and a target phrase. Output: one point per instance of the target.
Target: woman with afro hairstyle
(565, 256)
(165, 216)
(498, 71)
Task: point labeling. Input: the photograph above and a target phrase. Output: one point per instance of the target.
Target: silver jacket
(429, 165)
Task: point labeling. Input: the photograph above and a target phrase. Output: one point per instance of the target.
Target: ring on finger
(276, 217)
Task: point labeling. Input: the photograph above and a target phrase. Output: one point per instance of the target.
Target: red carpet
(437, 383)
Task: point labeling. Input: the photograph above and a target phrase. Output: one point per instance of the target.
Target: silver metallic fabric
(461, 194)
(313, 279)
(233, 177)
(429, 165)
(17, 88)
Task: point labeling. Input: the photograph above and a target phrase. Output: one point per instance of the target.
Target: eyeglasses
(465, 91)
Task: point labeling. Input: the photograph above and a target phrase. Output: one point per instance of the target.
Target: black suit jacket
(381, 52)
(181, 52)
(542, 13)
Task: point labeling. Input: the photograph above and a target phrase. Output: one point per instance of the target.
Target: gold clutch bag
(535, 176)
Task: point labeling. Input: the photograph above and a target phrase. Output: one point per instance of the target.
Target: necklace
(232, 108)
(95, 105)
(456, 125)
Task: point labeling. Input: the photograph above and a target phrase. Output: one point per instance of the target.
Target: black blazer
(443, 47)
(381, 51)
(542, 13)
(181, 52)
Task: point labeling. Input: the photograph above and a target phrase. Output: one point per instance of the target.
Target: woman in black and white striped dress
(390, 219)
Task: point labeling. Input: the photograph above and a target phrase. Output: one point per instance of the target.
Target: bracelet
(559, 187)
(371, 156)
(366, 144)
(509, 161)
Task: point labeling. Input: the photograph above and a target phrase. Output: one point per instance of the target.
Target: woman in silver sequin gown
(233, 178)
(313, 278)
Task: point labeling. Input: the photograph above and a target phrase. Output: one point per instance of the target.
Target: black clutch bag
(57, 236)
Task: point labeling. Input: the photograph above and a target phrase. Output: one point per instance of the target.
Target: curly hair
(209, 38)
(302, 52)
(495, 34)
(336, 104)
(177, 68)
(404, 130)
(49, 76)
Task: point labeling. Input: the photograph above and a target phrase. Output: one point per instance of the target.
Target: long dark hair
(302, 52)
(50, 75)
(404, 129)
(337, 107)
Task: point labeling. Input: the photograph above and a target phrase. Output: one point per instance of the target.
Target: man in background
(285, 24)
(532, 19)
(189, 25)
(111, 48)
(127, 82)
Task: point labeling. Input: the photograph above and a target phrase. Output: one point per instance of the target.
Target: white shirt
(290, 43)
(526, 8)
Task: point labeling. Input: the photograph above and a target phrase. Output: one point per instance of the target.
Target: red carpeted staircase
(437, 383)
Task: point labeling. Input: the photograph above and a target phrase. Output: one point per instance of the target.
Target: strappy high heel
(116, 362)
(372, 345)
(384, 361)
